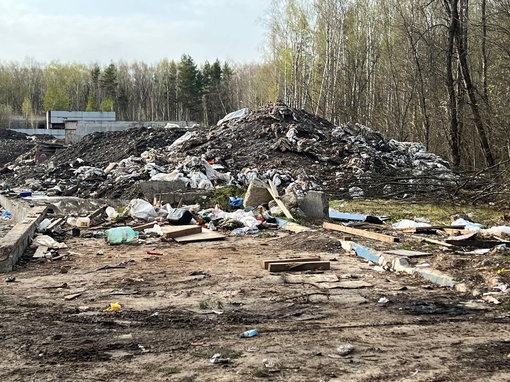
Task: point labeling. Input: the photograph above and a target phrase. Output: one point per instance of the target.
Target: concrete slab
(15, 242)
(399, 264)
(315, 205)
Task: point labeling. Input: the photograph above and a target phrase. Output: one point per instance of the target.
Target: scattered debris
(360, 232)
(345, 349)
(266, 263)
(249, 333)
(299, 266)
(114, 307)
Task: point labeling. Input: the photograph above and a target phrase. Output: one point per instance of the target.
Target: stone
(257, 194)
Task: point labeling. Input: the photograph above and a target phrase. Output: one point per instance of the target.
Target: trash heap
(12, 145)
(298, 151)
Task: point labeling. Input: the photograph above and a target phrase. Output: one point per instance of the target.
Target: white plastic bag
(47, 241)
(141, 209)
(155, 229)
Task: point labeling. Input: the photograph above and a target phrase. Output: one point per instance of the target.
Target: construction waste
(298, 151)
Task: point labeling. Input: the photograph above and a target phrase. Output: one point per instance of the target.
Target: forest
(431, 71)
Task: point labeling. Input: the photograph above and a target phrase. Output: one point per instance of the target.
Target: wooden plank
(205, 235)
(362, 233)
(296, 267)
(173, 231)
(54, 223)
(100, 211)
(265, 263)
(468, 236)
(40, 251)
(431, 228)
(407, 253)
(140, 228)
(432, 241)
(274, 194)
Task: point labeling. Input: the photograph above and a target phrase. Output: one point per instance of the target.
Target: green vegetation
(261, 372)
(221, 195)
(203, 305)
(436, 213)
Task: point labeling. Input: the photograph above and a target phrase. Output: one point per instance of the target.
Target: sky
(105, 31)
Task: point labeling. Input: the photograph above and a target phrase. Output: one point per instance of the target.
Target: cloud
(227, 31)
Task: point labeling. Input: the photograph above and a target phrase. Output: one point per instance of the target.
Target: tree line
(433, 71)
(168, 90)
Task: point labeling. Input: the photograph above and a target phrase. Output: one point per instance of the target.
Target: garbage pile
(298, 151)
(142, 222)
(12, 145)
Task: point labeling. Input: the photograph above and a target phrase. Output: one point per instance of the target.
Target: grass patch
(438, 214)
(171, 370)
(221, 195)
(261, 372)
(203, 305)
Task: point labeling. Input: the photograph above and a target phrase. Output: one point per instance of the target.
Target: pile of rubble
(298, 151)
(12, 145)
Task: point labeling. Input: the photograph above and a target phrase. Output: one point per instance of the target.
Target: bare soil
(193, 301)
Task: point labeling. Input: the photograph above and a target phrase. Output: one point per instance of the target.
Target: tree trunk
(466, 75)
(455, 142)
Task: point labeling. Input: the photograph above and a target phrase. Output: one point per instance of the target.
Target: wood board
(431, 228)
(274, 194)
(205, 235)
(265, 263)
(442, 243)
(40, 252)
(173, 231)
(362, 233)
(141, 227)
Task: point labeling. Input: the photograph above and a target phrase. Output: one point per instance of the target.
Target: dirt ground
(193, 301)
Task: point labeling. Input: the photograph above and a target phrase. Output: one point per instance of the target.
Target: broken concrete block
(315, 205)
(257, 194)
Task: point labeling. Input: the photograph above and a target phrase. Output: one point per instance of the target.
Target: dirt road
(192, 302)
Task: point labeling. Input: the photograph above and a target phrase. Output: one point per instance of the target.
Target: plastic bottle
(249, 333)
(119, 235)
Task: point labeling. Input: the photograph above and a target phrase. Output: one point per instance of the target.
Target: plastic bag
(139, 208)
(47, 241)
(179, 216)
(155, 229)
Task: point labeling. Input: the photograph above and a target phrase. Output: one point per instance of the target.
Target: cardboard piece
(173, 231)
(205, 235)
